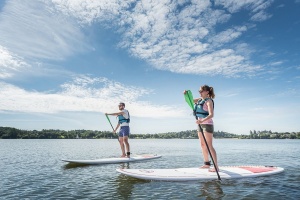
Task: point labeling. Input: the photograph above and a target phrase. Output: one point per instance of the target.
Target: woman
(204, 110)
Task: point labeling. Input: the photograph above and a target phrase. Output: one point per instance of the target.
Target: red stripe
(258, 169)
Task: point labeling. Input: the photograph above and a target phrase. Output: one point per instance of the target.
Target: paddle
(111, 124)
(190, 100)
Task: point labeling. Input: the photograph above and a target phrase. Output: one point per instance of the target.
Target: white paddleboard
(193, 174)
(114, 160)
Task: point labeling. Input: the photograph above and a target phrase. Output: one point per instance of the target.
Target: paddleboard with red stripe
(193, 174)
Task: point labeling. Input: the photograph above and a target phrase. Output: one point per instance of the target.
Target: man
(123, 123)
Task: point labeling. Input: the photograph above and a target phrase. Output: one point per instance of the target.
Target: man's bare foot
(123, 156)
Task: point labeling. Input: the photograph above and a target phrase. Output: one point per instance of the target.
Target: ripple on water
(33, 169)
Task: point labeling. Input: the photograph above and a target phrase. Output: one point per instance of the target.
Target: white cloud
(87, 11)
(170, 35)
(234, 6)
(174, 36)
(10, 63)
(84, 94)
(32, 29)
(276, 63)
(260, 16)
(256, 7)
(227, 35)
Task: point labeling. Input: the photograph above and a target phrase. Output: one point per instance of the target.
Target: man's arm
(116, 114)
(118, 125)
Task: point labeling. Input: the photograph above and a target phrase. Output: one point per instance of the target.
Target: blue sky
(64, 63)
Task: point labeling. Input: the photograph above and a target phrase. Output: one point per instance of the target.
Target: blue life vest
(122, 119)
(199, 111)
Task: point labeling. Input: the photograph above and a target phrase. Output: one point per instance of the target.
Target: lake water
(32, 169)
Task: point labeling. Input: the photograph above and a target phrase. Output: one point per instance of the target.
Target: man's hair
(121, 103)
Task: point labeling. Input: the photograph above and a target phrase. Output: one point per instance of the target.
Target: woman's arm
(210, 109)
(196, 100)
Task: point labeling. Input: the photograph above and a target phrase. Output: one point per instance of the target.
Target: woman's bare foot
(205, 166)
(213, 170)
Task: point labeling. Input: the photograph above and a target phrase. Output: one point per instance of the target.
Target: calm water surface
(32, 169)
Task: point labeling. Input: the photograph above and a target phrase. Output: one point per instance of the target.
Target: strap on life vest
(122, 119)
(200, 111)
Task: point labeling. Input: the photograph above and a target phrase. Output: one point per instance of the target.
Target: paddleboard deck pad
(114, 160)
(193, 174)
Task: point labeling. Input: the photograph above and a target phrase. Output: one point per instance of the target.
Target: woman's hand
(199, 121)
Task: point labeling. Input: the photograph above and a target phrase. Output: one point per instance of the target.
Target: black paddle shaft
(201, 130)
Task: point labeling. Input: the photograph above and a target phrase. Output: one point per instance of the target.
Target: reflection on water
(212, 190)
(71, 165)
(125, 184)
(124, 166)
(33, 169)
(74, 165)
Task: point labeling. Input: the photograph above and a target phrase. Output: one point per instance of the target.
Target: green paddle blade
(189, 99)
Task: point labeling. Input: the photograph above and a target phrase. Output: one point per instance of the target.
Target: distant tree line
(13, 133)
(272, 135)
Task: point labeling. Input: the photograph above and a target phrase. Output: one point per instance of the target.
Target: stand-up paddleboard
(193, 174)
(114, 160)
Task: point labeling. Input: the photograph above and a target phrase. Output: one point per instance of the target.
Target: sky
(64, 63)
